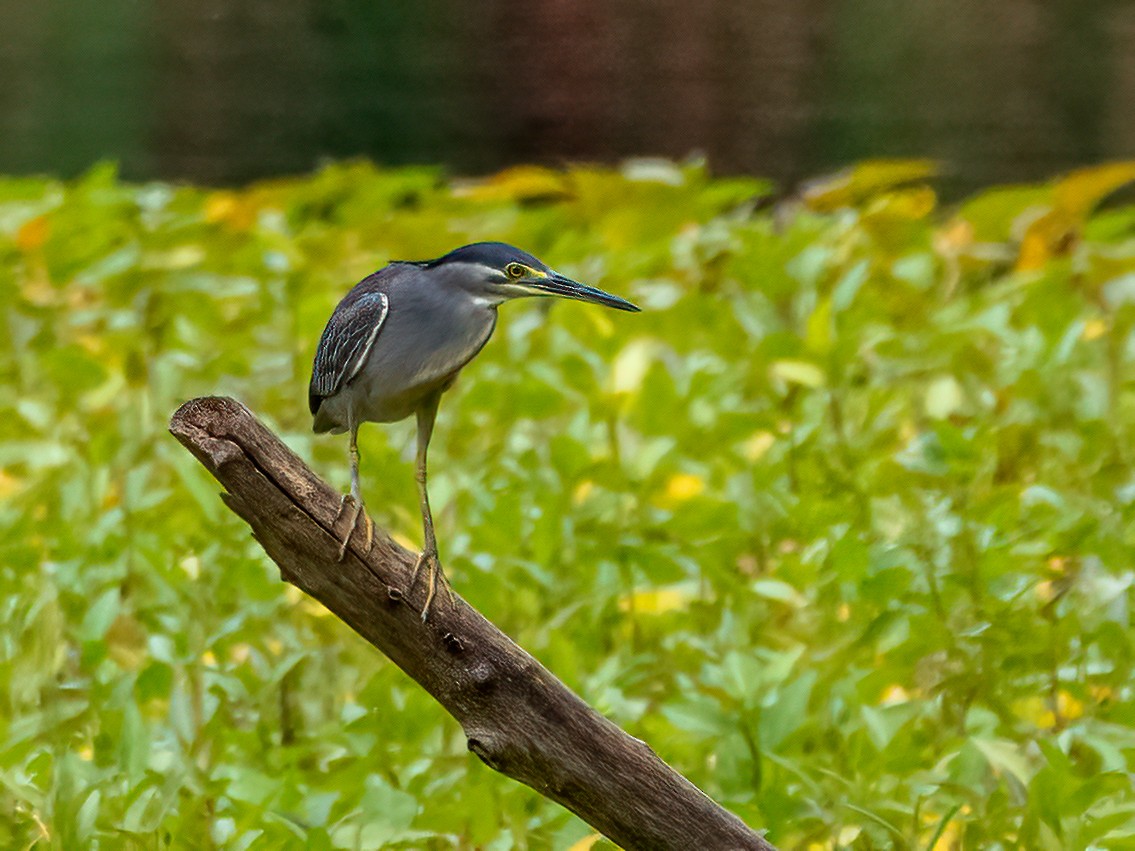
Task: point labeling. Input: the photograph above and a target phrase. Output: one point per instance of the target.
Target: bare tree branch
(519, 719)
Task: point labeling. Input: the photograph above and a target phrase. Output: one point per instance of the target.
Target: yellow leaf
(9, 484)
(916, 203)
(683, 486)
(312, 607)
(953, 238)
(893, 694)
(238, 212)
(586, 843)
(797, 372)
(1055, 232)
(1080, 192)
(1102, 694)
(94, 344)
(33, 234)
(521, 183)
(656, 601)
(757, 445)
(950, 839)
(1052, 234)
(863, 181)
(1094, 329)
(219, 206)
(1035, 710)
(1069, 707)
(909, 204)
(1060, 564)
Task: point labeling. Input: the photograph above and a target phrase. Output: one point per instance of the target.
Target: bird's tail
(324, 422)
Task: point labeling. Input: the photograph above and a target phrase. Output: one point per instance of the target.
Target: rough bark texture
(519, 719)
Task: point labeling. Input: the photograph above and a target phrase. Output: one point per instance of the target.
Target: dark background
(225, 91)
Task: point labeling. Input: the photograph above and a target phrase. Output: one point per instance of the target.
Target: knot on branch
(481, 747)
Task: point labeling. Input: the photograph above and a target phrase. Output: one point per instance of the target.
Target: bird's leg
(356, 494)
(426, 415)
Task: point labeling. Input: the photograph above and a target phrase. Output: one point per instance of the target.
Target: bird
(397, 341)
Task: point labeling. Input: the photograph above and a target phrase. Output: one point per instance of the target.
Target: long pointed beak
(557, 285)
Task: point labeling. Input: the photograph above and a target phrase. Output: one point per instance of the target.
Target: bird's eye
(515, 270)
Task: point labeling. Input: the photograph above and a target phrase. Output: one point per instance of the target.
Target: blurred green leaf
(840, 523)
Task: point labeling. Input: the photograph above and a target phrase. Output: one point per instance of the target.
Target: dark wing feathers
(345, 344)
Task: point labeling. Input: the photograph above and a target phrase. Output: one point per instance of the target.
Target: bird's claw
(358, 511)
(434, 574)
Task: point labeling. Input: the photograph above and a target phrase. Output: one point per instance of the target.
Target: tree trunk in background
(730, 79)
(238, 89)
(222, 92)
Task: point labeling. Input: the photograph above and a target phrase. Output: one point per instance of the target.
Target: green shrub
(842, 523)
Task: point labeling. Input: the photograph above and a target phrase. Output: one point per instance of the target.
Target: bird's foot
(434, 576)
(357, 511)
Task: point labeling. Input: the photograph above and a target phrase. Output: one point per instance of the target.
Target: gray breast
(426, 339)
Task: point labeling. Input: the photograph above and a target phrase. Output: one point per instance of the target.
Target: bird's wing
(345, 344)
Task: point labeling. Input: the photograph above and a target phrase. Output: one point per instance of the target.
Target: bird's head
(495, 272)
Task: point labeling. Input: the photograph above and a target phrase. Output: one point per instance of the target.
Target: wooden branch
(519, 719)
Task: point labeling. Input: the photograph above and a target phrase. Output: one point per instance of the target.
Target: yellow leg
(426, 415)
(355, 495)
(358, 510)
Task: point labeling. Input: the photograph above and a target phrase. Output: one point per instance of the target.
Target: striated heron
(399, 338)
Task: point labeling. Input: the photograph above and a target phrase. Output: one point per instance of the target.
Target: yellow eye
(515, 270)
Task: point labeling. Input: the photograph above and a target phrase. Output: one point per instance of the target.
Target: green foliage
(841, 524)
